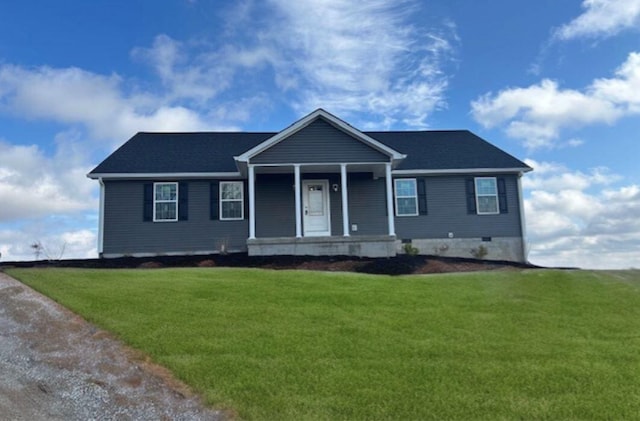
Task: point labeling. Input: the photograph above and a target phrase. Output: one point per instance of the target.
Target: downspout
(523, 225)
(101, 219)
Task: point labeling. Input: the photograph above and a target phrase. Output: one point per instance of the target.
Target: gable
(319, 142)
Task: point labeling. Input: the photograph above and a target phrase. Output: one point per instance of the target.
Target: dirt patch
(207, 263)
(56, 366)
(151, 265)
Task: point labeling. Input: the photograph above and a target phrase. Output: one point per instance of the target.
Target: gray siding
(275, 206)
(447, 212)
(126, 233)
(319, 142)
(367, 204)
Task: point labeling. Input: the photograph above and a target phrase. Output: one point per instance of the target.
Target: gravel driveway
(56, 366)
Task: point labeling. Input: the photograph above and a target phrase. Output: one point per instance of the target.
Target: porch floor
(360, 246)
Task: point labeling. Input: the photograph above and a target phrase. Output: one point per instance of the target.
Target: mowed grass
(309, 345)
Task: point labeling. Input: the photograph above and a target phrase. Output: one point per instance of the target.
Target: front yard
(268, 344)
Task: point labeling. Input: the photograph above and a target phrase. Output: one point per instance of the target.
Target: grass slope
(311, 345)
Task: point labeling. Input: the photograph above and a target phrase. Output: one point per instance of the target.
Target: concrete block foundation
(497, 248)
(370, 246)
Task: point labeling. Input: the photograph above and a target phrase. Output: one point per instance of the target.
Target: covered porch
(321, 209)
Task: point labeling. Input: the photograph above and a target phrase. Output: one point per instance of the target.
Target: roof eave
(513, 170)
(173, 175)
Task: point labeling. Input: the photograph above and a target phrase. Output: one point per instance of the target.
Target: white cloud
(555, 177)
(538, 113)
(623, 89)
(15, 244)
(355, 58)
(581, 219)
(574, 142)
(47, 198)
(366, 62)
(186, 72)
(33, 185)
(96, 102)
(601, 18)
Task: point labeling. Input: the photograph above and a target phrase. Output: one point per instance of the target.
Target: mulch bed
(399, 265)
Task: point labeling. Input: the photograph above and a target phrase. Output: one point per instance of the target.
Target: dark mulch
(399, 265)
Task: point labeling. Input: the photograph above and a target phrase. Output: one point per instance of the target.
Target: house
(318, 187)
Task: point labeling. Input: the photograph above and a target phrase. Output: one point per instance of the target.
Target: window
(406, 197)
(231, 200)
(165, 201)
(486, 195)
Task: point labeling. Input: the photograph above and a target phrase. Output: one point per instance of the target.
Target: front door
(315, 208)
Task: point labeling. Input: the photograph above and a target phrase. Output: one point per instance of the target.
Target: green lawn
(310, 345)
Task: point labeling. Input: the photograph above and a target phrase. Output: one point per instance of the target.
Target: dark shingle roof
(204, 152)
(446, 149)
(180, 152)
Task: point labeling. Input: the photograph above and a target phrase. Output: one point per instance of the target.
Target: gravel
(56, 366)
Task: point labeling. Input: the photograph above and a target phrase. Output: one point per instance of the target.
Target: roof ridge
(275, 132)
(417, 131)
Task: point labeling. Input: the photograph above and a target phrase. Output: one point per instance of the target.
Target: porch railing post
(345, 200)
(390, 220)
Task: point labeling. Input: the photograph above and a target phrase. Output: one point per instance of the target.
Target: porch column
(252, 202)
(296, 171)
(390, 220)
(345, 200)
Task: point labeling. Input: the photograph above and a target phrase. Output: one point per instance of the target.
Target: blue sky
(554, 82)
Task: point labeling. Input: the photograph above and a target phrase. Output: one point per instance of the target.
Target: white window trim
(495, 183)
(241, 200)
(414, 196)
(165, 201)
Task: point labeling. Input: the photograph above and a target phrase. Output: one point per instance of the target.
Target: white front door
(315, 208)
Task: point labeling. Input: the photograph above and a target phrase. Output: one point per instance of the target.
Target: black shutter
(502, 196)
(213, 200)
(471, 196)
(147, 206)
(183, 201)
(422, 196)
